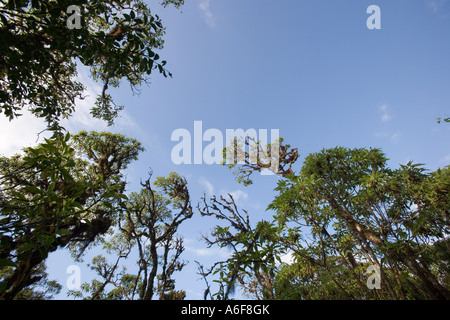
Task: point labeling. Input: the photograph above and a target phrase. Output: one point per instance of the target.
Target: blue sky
(310, 68)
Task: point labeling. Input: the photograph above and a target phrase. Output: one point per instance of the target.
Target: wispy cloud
(196, 248)
(437, 5)
(441, 8)
(385, 115)
(209, 17)
(23, 131)
(20, 133)
(207, 185)
(393, 137)
(242, 198)
(82, 118)
(239, 195)
(445, 160)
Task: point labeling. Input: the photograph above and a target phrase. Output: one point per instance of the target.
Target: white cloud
(82, 118)
(207, 252)
(385, 115)
(209, 17)
(393, 137)
(21, 132)
(446, 159)
(239, 195)
(208, 185)
(434, 4)
(126, 121)
(236, 194)
(441, 8)
(242, 198)
(381, 134)
(438, 5)
(287, 258)
(202, 252)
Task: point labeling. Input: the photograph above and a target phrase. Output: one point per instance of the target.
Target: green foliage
(109, 152)
(343, 212)
(69, 190)
(41, 289)
(255, 251)
(39, 53)
(439, 120)
(304, 280)
(148, 225)
(50, 198)
(246, 155)
(176, 3)
(360, 212)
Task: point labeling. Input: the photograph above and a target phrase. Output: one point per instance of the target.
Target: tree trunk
(436, 290)
(151, 279)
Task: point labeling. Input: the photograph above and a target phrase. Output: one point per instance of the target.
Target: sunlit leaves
(347, 204)
(39, 53)
(57, 194)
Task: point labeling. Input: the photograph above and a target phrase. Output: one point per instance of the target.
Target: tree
(254, 251)
(41, 289)
(68, 190)
(247, 156)
(307, 280)
(148, 223)
(39, 56)
(360, 210)
(345, 211)
(63, 192)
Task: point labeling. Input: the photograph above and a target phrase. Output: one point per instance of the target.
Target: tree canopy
(344, 211)
(40, 54)
(148, 224)
(342, 216)
(66, 191)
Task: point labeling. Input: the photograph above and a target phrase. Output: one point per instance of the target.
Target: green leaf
(51, 187)
(32, 189)
(63, 232)
(122, 196)
(65, 173)
(7, 263)
(2, 286)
